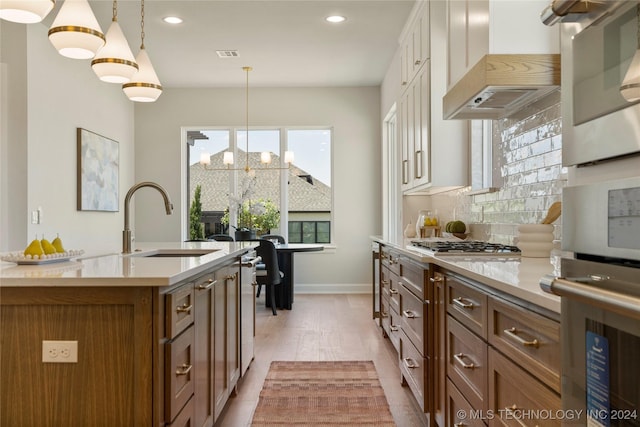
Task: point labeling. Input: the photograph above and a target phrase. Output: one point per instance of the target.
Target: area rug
(322, 394)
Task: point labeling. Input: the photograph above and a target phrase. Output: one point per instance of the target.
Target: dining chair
(221, 237)
(270, 275)
(273, 237)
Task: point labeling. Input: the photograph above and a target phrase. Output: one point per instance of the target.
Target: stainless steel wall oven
(600, 290)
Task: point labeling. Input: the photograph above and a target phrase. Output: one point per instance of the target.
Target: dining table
(285, 290)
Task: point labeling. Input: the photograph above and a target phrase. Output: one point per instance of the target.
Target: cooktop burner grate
(465, 247)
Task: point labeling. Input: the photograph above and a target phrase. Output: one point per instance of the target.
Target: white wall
(63, 94)
(13, 135)
(354, 114)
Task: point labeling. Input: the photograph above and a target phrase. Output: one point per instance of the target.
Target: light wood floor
(322, 327)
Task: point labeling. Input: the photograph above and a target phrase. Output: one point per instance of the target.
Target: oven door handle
(626, 305)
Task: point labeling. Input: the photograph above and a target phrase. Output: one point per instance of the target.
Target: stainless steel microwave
(598, 123)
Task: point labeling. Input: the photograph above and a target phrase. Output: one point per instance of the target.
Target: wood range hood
(501, 84)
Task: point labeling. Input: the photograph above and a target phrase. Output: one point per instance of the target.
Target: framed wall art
(98, 169)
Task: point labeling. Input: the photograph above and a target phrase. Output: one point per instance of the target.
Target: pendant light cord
(115, 11)
(142, 24)
(247, 69)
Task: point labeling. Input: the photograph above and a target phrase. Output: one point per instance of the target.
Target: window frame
(233, 181)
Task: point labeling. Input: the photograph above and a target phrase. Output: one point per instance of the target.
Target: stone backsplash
(527, 160)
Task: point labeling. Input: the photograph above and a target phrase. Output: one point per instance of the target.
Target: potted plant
(253, 217)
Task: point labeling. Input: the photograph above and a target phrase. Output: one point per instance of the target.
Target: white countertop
(516, 276)
(116, 269)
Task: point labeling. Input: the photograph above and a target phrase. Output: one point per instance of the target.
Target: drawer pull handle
(410, 363)
(251, 263)
(513, 333)
(393, 291)
(393, 328)
(417, 62)
(460, 424)
(384, 314)
(409, 314)
(385, 282)
(230, 277)
(209, 284)
(513, 408)
(184, 308)
(184, 369)
(459, 358)
(461, 302)
(437, 280)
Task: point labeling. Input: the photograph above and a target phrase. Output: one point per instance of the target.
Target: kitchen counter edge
(523, 284)
(120, 270)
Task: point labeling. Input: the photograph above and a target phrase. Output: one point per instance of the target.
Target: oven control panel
(624, 218)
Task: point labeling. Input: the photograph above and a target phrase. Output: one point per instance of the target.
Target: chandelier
(265, 156)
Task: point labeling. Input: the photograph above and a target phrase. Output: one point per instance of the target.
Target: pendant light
(75, 32)
(630, 87)
(25, 11)
(265, 156)
(114, 63)
(144, 85)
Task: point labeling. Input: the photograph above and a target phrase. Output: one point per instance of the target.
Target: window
(309, 232)
(302, 192)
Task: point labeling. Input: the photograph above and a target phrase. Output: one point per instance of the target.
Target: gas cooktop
(465, 247)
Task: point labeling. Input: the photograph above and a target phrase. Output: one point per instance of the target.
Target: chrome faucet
(127, 235)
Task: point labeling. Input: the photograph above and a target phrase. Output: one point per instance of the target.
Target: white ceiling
(287, 42)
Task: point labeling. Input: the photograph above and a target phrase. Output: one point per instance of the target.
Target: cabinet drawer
(468, 305)
(517, 398)
(394, 291)
(529, 339)
(390, 260)
(185, 417)
(179, 376)
(391, 325)
(457, 405)
(414, 318)
(412, 276)
(179, 309)
(414, 370)
(467, 363)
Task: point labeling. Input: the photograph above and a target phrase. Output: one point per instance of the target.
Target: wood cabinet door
(233, 325)
(221, 381)
(204, 350)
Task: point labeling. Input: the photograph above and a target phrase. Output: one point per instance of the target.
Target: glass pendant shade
(25, 11)
(227, 158)
(205, 159)
(75, 33)
(630, 88)
(144, 85)
(114, 63)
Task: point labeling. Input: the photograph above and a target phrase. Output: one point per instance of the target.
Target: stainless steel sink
(174, 253)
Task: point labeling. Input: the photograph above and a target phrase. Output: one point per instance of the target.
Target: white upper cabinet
(434, 152)
(414, 46)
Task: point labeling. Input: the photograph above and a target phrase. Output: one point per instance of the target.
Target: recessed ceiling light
(172, 20)
(335, 19)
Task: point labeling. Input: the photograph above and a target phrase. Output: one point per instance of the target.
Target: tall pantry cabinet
(434, 152)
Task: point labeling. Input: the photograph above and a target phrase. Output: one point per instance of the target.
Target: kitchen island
(132, 340)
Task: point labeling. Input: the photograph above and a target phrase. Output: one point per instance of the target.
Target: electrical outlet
(59, 351)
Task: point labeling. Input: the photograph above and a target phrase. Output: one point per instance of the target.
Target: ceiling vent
(227, 53)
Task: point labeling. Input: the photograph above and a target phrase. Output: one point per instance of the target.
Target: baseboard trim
(342, 288)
